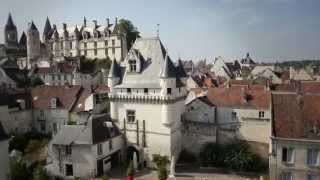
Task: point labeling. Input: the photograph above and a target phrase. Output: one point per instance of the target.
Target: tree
(35, 81)
(19, 171)
(130, 30)
(40, 174)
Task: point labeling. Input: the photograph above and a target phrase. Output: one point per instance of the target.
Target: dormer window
(133, 65)
(53, 103)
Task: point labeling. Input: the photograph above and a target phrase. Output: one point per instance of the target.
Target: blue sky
(192, 29)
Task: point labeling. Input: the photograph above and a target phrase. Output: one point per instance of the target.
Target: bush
(186, 157)
(19, 171)
(161, 163)
(35, 145)
(130, 170)
(40, 174)
(235, 156)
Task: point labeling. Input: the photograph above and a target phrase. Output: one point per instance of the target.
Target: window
(68, 150)
(261, 114)
(85, 52)
(287, 155)
(41, 114)
(133, 65)
(113, 43)
(70, 45)
(95, 44)
(113, 50)
(286, 176)
(128, 90)
(131, 116)
(42, 126)
(168, 90)
(312, 157)
(106, 43)
(53, 102)
(145, 90)
(234, 115)
(106, 52)
(69, 170)
(59, 78)
(110, 145)
(99, 149)
(95, 52)
(313, 177)
(85, 45)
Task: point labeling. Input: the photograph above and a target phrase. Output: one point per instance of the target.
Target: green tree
(40, 174)
(35, 81)
(19, 171)
(130, 30)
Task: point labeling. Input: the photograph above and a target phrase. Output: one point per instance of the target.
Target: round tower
(33, 44)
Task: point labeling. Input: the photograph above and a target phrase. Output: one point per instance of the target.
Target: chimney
(116, 21)
(108, 22)
(267, 87)
(64, 26)
(95, 23)
(54, 27)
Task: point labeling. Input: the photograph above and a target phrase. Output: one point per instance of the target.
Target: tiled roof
(240, 96)
(296, 115)
(66, 96)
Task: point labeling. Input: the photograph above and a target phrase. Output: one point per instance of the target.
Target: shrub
(19, 171)
(161, 163)
(130, 170)
(186, 157)
(40, 174)
(235, 156)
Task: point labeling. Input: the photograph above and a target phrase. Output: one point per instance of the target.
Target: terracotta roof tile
(240, 96)
(42, 95)
(296, 116)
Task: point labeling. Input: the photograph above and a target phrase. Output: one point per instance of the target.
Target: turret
(114, 74)
(33, 44)
(23, 41)
(167, 77)
(10, 33)
(47, 31)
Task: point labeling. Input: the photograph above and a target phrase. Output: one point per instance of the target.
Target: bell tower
(11, 33)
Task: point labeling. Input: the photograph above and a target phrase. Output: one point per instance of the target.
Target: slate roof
(115, 70)
(23, 40)
(33, 27)
(240, 96)
(156, 64)
(47, 29)
(296, 115)
(10, 24)
(93, 132)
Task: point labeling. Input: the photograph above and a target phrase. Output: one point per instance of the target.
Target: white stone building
(147, 95)
(295, 141)
(93, 42)
(86, 150)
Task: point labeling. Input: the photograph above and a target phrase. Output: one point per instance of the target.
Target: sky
(271, 30)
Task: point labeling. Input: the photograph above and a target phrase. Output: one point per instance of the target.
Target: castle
(92, 42)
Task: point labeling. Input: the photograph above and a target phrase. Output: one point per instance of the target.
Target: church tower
(11, 33)
(33, 44)
(47, 32)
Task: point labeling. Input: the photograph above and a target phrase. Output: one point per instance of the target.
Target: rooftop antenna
(158, 26)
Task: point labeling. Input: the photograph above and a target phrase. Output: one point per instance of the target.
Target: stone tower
(33, 44)
(11, 33)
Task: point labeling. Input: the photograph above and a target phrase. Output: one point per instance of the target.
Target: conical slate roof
(47, 28)
(114, 70)
(10, 25)
(168, 69)
(181, 71)
(23, 40)
(33, 27)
